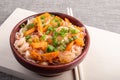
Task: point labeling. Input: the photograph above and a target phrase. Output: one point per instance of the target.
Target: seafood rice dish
(48, 39)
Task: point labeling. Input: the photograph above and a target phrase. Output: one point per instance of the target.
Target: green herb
(50, 28)
(55, 42)
(55, 49)
(22, 25)
(71, 39)
(61, 48)
(55, 20)
(43, 23)
(60, 20)
(59, 42)
(63, 32)
(31, 25)
(67, 41)
(47, 32)
(55, 33)
(74, 37)
(54, 38)
(24, 30)
(29, 40)
(52, 15)
(42, 17)
(27, 37)
(73, 31)
(50, 48)
(58, 24)
(43, 37)
(64, 45)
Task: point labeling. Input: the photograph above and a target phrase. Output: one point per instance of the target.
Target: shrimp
(77, 50)
(21, 45)
(18, 35)
(24, 47)
(27, 54)
(66, 56)
(20, 42)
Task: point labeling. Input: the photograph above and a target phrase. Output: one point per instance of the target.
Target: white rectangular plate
(8, 63)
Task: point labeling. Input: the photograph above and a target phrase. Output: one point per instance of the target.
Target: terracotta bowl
(50, 70)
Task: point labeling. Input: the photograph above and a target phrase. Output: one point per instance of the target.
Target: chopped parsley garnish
(73, 31)
(50, 28)
(31, 25)
(63, 32)
(71, 39)
(55, 42)
(67, 41)
(74, 37)
(42, 17)
(61, 48)
(43, 37)
(29, 40)
(27, 37)
(50, 48)
(47, 32)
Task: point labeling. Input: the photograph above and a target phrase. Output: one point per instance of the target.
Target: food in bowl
(48, 39)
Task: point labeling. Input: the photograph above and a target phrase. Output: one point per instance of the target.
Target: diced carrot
(69, 46)
(50, 56)
(35, 39)
(29, 31)
(35, 21)
(39, 25)
(38, 45)
(45, 28)
(47, 15)
(62, 23)
(81, 35)
(34, 55)
(79, 42)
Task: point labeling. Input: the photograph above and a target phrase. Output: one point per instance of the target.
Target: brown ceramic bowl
(50, 70)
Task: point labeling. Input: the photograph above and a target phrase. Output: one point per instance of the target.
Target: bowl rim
(48, 66)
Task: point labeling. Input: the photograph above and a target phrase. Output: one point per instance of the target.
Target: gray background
(103, 14)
